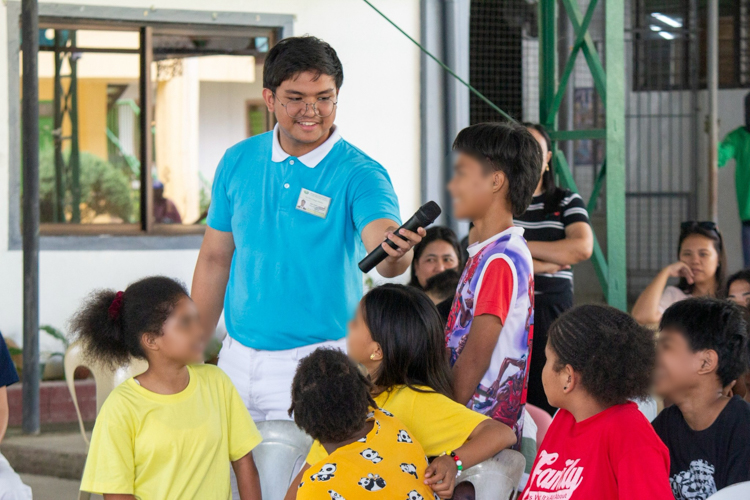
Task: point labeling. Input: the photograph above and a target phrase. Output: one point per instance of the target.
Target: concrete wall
(378, 111)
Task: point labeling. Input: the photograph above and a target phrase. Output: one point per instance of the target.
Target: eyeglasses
(323, 107)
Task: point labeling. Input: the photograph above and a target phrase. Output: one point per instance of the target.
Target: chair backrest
(542, 420)
(280, 456)
(739, 491)
(105, 378)
(496, 478)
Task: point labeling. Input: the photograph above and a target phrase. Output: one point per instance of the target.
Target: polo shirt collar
(312, 158)
(477, 247)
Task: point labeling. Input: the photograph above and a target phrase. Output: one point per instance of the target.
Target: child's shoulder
(211, 373)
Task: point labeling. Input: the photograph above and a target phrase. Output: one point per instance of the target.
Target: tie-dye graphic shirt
(498, 279)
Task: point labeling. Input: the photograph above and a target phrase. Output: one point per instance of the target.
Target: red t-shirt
(613, 455)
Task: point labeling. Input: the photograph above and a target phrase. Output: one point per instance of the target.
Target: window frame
(145, 234)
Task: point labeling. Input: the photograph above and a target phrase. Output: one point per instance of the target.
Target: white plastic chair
(739, 491)
(105, 379)
(280, 456)
(496, 478)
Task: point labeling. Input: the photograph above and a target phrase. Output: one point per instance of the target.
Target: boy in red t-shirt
(599, 446)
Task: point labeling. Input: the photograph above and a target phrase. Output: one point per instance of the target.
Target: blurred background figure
(438, 251)
(701, 268)
(556, 226)
(165, 211)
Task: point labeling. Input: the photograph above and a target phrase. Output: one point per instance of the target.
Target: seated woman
(439, 250)
(701, 267)
(398, 337)
(599, 444)
(369, 450)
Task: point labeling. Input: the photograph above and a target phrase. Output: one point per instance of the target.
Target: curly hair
(613, 354)
(113, 338)
(714, 324)
(508, 148)
(330, 396)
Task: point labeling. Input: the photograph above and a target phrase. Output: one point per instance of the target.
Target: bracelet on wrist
(459, 463)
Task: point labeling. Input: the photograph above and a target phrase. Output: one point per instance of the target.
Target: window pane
(203, 105)
(88, 127)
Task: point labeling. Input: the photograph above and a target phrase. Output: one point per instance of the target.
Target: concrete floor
(52, 488)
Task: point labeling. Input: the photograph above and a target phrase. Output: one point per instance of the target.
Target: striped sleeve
(573, 210)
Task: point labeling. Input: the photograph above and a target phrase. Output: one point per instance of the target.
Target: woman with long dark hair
(397, 335)
(556, 226)
(701, 267)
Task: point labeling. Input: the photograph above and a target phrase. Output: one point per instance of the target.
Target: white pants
(11, 486)
(264, 379)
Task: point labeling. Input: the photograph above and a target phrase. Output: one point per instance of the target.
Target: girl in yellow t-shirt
(170, 433)
(397, 334)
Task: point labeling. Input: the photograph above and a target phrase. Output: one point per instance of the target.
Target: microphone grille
(431, 211)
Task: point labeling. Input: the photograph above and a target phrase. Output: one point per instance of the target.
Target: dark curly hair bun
(330, 396)
(614, 355)
(113, 335)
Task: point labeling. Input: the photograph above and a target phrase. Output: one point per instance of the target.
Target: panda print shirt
(386, 463)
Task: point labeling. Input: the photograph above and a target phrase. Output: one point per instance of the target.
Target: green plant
(55, 333)
(105, 189)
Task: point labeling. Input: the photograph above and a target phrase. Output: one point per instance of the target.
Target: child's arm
(118, 496)
(248, 481)
(4, 412)
(291, 493)
(475, 358)
(485, 441)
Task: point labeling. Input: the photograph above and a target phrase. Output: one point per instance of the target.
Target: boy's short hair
(295, 55)
(509, 148)
(443, 285)
(713, 324)
(330, 396)
(743, 275)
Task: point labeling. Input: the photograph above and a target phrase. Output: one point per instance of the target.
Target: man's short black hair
(713, 324)
(509, 148)
(330, 396)
(295, 55)
(443, 285)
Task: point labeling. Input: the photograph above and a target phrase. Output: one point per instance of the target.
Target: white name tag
(313, 203)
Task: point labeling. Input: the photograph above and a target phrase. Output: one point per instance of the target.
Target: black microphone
(425, 216)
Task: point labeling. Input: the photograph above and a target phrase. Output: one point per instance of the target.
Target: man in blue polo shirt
(292, 212)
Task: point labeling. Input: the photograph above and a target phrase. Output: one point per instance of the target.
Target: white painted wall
(378, 111)
(222, 119)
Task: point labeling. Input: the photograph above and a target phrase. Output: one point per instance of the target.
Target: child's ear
(709, 362)
(498, 180)
(377, 355)
(148, 341)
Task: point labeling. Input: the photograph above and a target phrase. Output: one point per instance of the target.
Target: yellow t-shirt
(437, 422)
(170, 447)
(387, 463)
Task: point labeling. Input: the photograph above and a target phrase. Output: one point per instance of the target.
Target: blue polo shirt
(294, 279)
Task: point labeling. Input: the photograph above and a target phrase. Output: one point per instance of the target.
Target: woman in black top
(556, 226)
